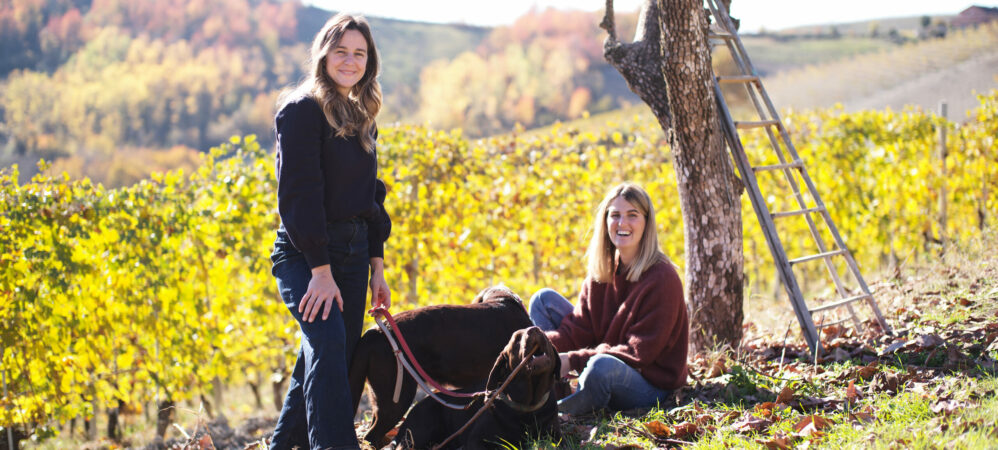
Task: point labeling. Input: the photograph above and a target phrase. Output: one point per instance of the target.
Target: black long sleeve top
(323, 178)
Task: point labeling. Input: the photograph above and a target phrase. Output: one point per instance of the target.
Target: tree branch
(641, 61)
(608, 23)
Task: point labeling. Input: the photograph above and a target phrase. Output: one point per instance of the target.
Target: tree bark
(669, 66)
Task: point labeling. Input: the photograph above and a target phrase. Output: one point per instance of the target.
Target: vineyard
(162, 290)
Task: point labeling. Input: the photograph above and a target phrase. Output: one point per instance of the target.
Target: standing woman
(333, 228)
(628, 335)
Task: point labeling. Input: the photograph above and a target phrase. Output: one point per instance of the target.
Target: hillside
(905, 26)
(923, 73)
(114, 91)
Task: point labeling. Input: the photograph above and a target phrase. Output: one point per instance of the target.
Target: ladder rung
(817, 256)
(758, 124)
(824, 325)
(737, 79)
(839, 303)
(720, 35)
(790, 165)
(798, 212)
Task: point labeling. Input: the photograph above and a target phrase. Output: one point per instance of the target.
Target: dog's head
(496, 293)
(535, 379)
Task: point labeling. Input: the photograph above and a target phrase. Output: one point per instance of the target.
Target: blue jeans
(606, 382)
(318, 408)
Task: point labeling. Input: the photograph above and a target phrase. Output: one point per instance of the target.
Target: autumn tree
(668, 65)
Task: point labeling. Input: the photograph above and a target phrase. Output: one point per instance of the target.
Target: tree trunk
(164, 417)
(669, 66)
(280, 387)
(113, 430)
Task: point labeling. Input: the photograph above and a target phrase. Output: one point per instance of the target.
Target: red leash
(381, 310)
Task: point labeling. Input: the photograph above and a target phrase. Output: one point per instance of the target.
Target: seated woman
(629, 333)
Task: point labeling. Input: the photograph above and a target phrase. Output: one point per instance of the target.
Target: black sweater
(323, 178)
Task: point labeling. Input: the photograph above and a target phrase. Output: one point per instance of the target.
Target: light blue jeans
(606, 382)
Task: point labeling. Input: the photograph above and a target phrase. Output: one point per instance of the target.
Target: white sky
(771, 14)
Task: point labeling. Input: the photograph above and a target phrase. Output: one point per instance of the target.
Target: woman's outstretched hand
(322, 291)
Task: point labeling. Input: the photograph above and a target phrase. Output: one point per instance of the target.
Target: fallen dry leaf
(776, 443)
(717, 369)
(866, 373)
(765, 406)
(786, 395)
(851, 392)
(928, 341)
(704, 419)
(892, 348)
(812, 423)
(861, 417)
(838, 355)
(685, 430)
(938, 425)
(947, 407)
(751, 423)
(659, 429)
(730, 415)
(884, 381)
(205, 443)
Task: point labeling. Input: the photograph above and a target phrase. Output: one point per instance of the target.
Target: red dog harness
(423, 377)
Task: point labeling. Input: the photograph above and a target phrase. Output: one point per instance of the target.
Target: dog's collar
(520, 407)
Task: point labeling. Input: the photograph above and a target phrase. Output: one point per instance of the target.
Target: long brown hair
(601, 254)
(351, 115)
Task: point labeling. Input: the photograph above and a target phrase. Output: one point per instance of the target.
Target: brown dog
(455, 344)
(526, 410)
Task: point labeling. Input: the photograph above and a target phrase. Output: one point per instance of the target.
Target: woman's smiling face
(626, 225)
(347, 62)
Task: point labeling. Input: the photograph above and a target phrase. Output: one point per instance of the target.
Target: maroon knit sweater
(642, 323)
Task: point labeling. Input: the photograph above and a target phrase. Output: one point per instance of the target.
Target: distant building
(973, 16)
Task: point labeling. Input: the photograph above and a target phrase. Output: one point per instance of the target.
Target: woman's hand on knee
(322, 291)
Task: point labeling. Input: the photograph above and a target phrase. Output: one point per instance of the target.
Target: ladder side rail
(788, 172)
(768, 227)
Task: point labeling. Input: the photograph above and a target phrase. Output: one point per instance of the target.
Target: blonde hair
(601, 254)
(351, 115)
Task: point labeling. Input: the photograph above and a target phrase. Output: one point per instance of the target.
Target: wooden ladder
(792, 167)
